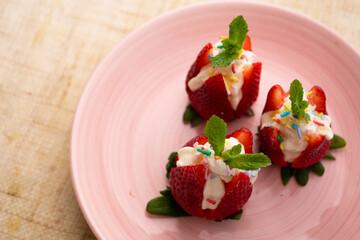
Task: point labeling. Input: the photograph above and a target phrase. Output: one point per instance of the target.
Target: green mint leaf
(171, 163)
(302, 176)
(231, 153)
(223, 59)
(190, 115)
(286, 174)
(298, 105)
(235, 216)
(215, 131)
(328, 155)
(165, 205)
(318, 168)
(248, 161)
(238, 29)
(249, 112)
(337, 142)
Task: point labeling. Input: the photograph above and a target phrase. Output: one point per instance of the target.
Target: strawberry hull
(212, 97)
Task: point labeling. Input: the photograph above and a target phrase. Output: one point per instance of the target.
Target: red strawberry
(187, 184)
(318, 98)
(317, 144)
(212, 98)
(245, 137)
(275, 98)
(201, 61)
(247, 44)
(316, 149)
(271, 146)
(250, 89)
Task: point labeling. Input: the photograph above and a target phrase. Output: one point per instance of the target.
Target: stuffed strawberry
(224, 80)
(295, 129)
(213, 174)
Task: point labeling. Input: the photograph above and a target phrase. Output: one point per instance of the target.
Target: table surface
(49, 49)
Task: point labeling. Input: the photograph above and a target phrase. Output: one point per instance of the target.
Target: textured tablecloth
(48, 51)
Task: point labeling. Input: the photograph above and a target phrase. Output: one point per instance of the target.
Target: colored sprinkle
(233, 78)
(288, 127)
(292, 117)
(269, 125)
(281, 146)
(280, 139)
(212, 177)
(293, 126)
(211, 72)
(298, 132)
(205, 160)
(314, 113)
(318, 123)
(300, 141)
(320, 114)
(223, 37)
(217, 157)
(253, 174)
(221, 46)
(322, 117)
(209, 56)
(228, 91)
(243, 56)
(274, 113)
(233, 68)
(206, 152)
(245, 172)
(285, 114)
(287, 107)
(307, 110)
(210, 201)
(284, 120)
(308, 93)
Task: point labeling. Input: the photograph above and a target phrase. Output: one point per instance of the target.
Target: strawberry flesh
(318, 98)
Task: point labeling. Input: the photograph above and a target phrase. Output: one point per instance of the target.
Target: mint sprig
(298, 105)
(238, 29)
(247, 161)
(215, 131)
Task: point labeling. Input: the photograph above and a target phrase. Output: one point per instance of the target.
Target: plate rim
(77, 113)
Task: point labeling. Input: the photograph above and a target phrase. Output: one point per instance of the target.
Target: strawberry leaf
(318, 168)
(247, 161)
(337, 142)
(286, 174)
(165, 205)
(190, 115)
(238, 29)
(171, 163)
(215, 131)
(302, 176)
(328, 155)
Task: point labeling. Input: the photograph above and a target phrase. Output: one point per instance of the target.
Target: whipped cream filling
(232, 74)
(295, 140)
(217, 170)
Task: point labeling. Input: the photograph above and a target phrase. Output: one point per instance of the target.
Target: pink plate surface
(129, 119)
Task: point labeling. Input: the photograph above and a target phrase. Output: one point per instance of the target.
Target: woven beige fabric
(48, 50)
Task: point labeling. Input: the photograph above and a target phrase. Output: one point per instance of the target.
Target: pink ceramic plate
(129, 119)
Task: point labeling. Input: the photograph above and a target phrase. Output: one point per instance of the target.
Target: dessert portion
(295, 128)
(212, 176)
(295, 131)
(224, 79)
